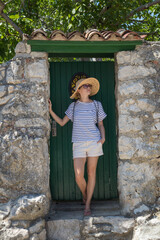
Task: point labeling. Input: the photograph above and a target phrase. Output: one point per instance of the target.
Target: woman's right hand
(50, 105)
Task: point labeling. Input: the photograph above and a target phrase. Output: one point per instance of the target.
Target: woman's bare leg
(79, 164)
(91, 169)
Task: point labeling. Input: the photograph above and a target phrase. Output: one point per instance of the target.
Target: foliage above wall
(69, 15)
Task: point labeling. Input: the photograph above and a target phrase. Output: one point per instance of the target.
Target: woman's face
(85, 90)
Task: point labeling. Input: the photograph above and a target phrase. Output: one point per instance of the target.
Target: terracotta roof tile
(94, 35)
(110, 35)
(75, 36)
(58, 35)
(88, 35)
(39, 34)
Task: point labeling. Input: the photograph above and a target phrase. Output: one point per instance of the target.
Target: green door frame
(82, 48)
(105, 49)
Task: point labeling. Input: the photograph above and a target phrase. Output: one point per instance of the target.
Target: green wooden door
(62, 180)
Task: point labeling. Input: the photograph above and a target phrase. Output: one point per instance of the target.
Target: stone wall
(24, 138)
(25, 129)
(138, 110)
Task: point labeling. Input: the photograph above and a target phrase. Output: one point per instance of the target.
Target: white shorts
(87, 149)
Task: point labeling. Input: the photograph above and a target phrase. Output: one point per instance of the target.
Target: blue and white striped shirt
(85, 119)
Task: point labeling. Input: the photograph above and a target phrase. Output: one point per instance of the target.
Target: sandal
(87, 212)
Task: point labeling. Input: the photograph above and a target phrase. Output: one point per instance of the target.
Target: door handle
(54, 129)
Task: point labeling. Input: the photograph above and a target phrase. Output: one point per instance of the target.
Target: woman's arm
(60, 121)
(102, 131)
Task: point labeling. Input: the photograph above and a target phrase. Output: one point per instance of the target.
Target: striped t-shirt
(85, 119)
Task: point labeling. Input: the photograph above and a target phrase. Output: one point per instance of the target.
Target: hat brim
(95, 86)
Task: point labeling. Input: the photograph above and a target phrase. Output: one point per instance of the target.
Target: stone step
(74, 205)
(61, 209)
(67, 222)
(90, 228)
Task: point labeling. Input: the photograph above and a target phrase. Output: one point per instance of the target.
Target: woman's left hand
(102, 140)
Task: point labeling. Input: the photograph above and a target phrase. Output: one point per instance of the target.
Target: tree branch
(8, 2)
(144, 33)
(2, 5)
(147, 5)
(136, 20)
(104, 10)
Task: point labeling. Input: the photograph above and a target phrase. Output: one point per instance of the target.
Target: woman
(87, 138)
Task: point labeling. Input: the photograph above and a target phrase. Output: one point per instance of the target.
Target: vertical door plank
(112, 133)
(53, 143)
(59, 133)
(105, 89)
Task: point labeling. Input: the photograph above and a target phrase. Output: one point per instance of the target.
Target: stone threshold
(74, 209)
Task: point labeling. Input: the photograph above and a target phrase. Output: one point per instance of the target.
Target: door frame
(82, 48)
(85, 49)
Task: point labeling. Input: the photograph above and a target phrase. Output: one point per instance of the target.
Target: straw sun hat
(93, 81)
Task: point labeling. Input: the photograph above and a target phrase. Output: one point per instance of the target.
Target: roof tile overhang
(88, 35)
(91, 43)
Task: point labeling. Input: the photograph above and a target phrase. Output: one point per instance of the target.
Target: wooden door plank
(105, 90)
(53, 144)
(59, 134)
(112, 133)
(65, 140)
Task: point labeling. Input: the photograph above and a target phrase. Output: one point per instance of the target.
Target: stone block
(32, 122)
(123, 57)
(22, 47)
(4, 224)
(28, 101)
(34, 237)
(5, 99)
(156, 127)
(134, 147)
(42, 235)
(126, 73)
(131, 88)
(10, 89)
(37, 71)
(21, 224)
(108, 227)
(14, 233)
(37, 227)
(128, 105)
(156, 115)
(29, 207)
(142, 208)
(138, 185)
(143, 218)
(129, 57)
(21, 56)
(128, 146)
(5, 210)
(148, 230)
(2, 73)
(146, 105)
(39, 55)
(21, 165)
(15, 72)
(63, 229)
(2, 91)
(128, 123)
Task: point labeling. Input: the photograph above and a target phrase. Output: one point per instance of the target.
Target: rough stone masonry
(24, 141)
(138, 108)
